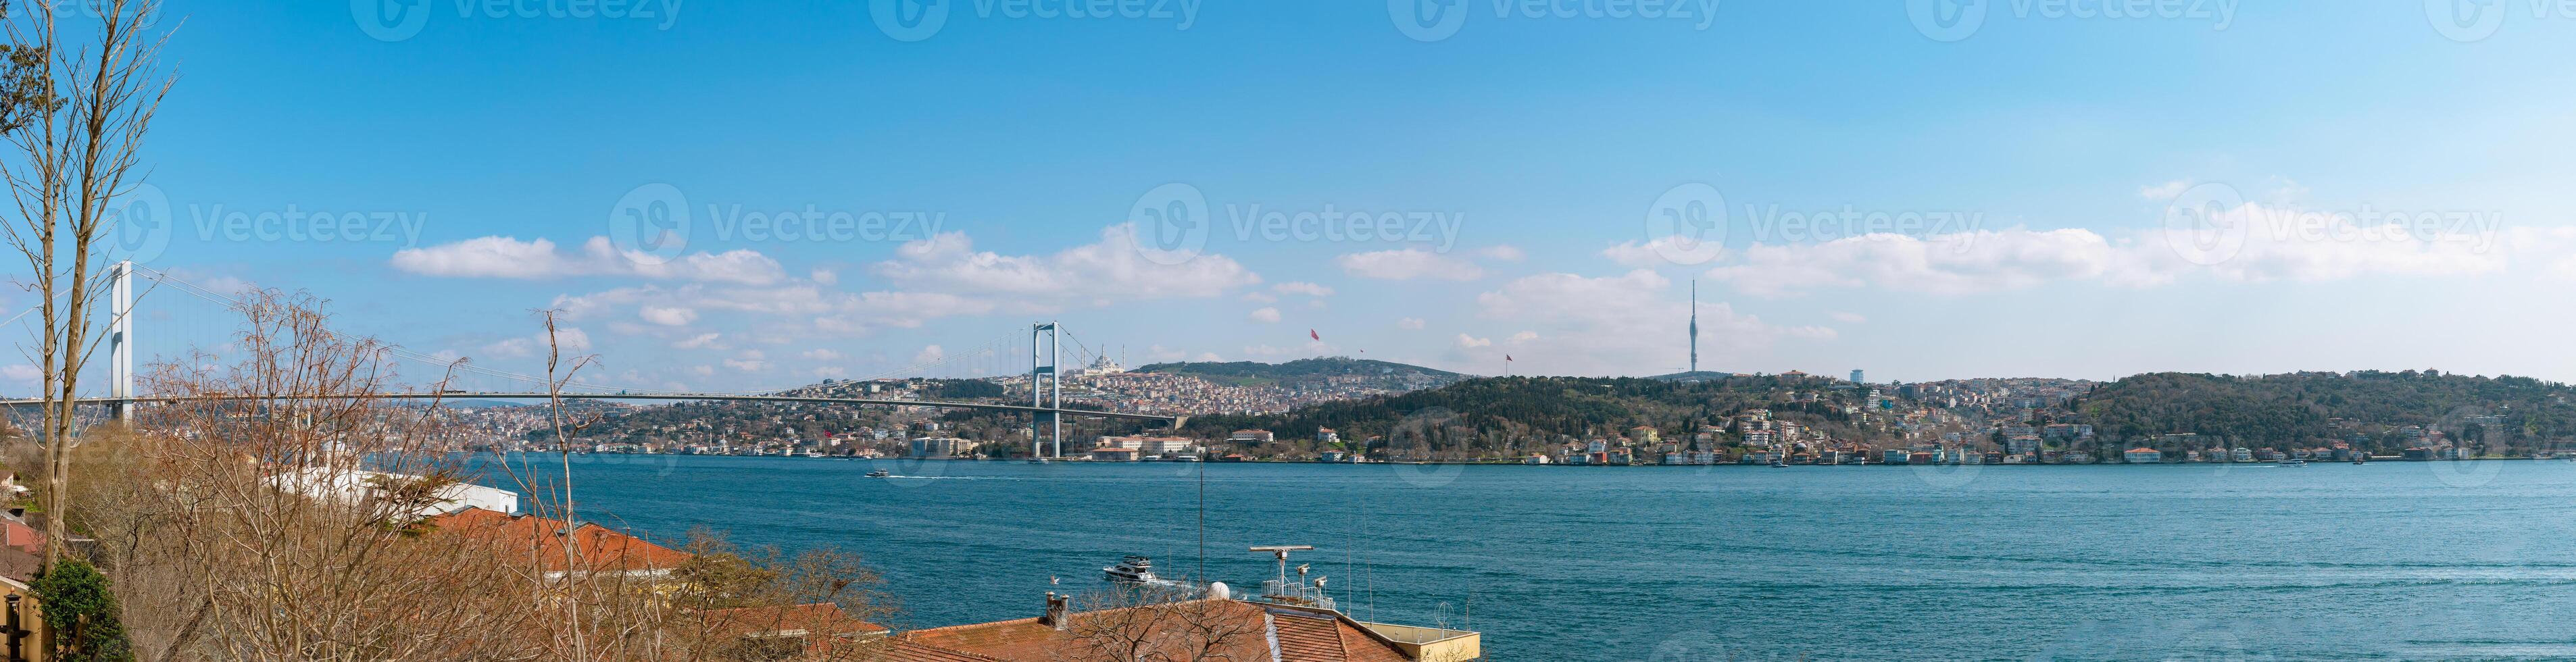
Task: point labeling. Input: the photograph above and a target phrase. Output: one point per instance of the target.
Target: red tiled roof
(822, 617)
(600, 548)
(1303, 635)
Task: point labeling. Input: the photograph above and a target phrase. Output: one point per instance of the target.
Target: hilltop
(1254, 373)
(2372, 407)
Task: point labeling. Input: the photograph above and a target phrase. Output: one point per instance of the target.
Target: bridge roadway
(1175, 420)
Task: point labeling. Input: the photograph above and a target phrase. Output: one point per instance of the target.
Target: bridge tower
(120, 341)
(1046, 388)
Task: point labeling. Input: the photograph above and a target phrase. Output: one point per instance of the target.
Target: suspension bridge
(460, 379)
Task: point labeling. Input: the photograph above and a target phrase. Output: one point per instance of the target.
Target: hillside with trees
(2308, 407)
(1501, 416)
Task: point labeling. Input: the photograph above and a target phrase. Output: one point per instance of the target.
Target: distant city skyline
(1858, 186)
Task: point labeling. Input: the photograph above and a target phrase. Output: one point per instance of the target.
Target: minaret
(1694, 327)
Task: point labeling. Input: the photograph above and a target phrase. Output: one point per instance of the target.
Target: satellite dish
(1219, 591)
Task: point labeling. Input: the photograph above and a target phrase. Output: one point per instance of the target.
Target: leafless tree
(257, 521)
(78, 114)
(1161, 623)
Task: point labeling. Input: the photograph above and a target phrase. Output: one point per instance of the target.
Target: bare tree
(259, 522)
(79, 119)
(1161, 623)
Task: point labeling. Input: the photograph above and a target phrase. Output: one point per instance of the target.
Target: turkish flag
(1507, 357)
(1310, 333)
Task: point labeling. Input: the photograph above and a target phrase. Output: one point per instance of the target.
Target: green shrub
(82, 614)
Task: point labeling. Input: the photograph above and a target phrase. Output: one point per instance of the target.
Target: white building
(350, 485)
(941, 447)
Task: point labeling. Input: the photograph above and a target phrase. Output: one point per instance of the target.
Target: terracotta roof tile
(600, 548)
(1303, 635)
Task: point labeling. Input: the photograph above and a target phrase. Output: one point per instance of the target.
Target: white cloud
(1260, 297)
(1308, 289)
(1651, 254)
(750, 360)
(1631, 324)
(1107, 271)
(1962, 263)
(567, 340)
(1465, 340)
(20, 372)
(508, 257)
(823, 355)
(1410, 323)
(2165, 191)
(700, 341)
(1503, 252)
(929, 353)
(1265, 315)
(1408, 264)
(668, 315)
(1847, 318)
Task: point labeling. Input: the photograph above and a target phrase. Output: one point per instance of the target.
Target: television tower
(1694, 326)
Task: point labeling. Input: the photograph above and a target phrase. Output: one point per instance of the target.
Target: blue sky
(2022, 173)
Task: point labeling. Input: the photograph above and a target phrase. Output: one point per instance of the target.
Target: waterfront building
(1114, 454)
(1250, 438)
(941, 447)
(2241, 454)
(2142, 456)
(1896, 456)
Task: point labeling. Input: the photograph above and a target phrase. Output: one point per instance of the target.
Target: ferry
(880, 473)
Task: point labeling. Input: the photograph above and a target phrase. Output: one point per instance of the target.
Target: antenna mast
(1694, 327)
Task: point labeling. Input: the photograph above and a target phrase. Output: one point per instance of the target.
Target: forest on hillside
(2300, 408)
(1511, 414)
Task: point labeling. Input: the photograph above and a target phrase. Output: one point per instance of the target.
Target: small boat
(1037, 460)
(880, 473)
(1132, 570)
(1776, 464)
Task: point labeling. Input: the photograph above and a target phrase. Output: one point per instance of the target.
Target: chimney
(1055, 611)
